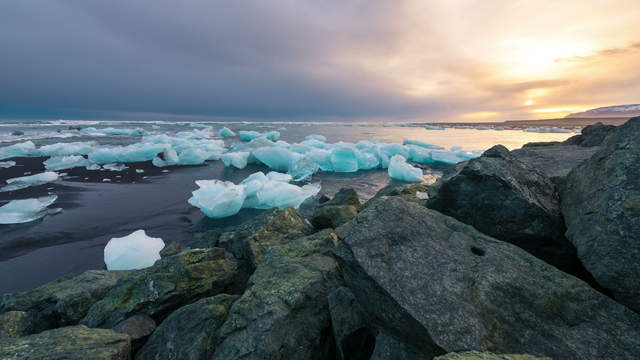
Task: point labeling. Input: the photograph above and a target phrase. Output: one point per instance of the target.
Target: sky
(410, 60)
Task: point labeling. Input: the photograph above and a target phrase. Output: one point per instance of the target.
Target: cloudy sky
(317, 59)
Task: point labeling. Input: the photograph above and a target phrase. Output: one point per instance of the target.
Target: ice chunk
(421, 144)
(304, 169)
(64, 149)
(344, 159)
(277, 158)
(316, 137)
(226, 132)
(94, 167)
(65, 162)
(23, 149)
(433, 127)
(420, 155)
(124, 154)
(399, 169)
(7, 164)
(115, 167)
(366, 161)
(29, 181)
(320, 157)
(386, 151)
(134, 251)
(280, 177)
(193, 156)
(250, 135)
(235, 159)
(218, 199)
(27, 210)
(168, 157)
(114, 131)
(282, 195)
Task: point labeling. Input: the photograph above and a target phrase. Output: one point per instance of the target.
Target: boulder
(332, 216)
(138, 327)
(348, 321)
(391, 348)
(592, 135)
(19, 323)
(442, 286)
(170, 283)
(172, 249)
(189, 333)
(68, 343)
(509, 200)
(601, 207)
(476, 355)
(554, 161)
(283, 314)
(344, 197)
(64, 301)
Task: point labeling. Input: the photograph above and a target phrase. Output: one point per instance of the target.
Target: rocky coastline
(515, 255)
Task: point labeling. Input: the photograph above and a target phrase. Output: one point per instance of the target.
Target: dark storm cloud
(219, 58)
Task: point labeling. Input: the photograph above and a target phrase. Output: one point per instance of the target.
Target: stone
(169, 284)
(388, 347)
(332, 216)
(601, 207)
(350, 329)
(64, 301)
(442, 286)
(509, 200)
(344, 196)
(138, 327)
(68, 343)
(476, 355)
(172, 249)
(19, 323)
(592, 135)
(189, 333)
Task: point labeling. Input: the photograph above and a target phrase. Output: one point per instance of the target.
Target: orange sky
(511, 59)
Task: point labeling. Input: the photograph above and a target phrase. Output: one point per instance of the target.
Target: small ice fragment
(65, 162)
(235, 159)
(27, 210)
(94, 167)
(115, 167)
(399, 169)
(226, 132)
(134, 251)
(218, 199)
(139, 171)
(422, 195)
(7, 164)
(106, 180)
(29, 181)
(165, 171)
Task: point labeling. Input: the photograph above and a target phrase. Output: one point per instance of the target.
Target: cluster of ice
(115, 167)
(250, 135)
(548, 130)
(238, 160)
(226, 132)
(29, 181)
(26, 210)
(421, 144)
(219, 199)
(113, 131)
(7, 164)
(134, 251)
(399, 169)
(66, 162)
(433, 127)
(23, 149)
(66, 149)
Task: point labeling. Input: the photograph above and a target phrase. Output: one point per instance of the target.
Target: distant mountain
(610, 111)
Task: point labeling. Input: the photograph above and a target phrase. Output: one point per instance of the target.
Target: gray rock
(439, 284)
(601, 206)
(138, 327)
(345, 196)
(172, 249)
(554, 161)
(332, 216)
(68, 343)
(170, 283)
(391, 348)
(348, 322)
(476, 355)
(19, 323)
(509, 200)
(64, 301)
(592, 135)
(283, 314)
(189, 333)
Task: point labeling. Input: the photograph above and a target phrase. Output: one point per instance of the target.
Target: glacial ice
(26, 210)
(114, 167)
(168, 157)
(218, 199)
(65, 162)
(315, 137)
(27, 148)
(421, 144)
(344, 159)
(277, 158)
(236, 159)
(226, 132)
(7, 164)
(248, 135)
(304, 169)
(124, 154)
(65, 149)
(433, 127)
(282, 195)
(399, 169)
(113, 131)
(29, 181)
(134, 251)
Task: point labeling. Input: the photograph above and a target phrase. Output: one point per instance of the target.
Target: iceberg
(23, 149)
(421, 144)
(7, 164)
(236, 159)
(226, 132)
(124, 154)
(218, 199)
(65, 162)
(282, 195)
(27, 210)
(316, 137)
(366, 161)
(132, 252)
(320, 157)
(168, 157)
(193, 156)
(344, 159)
(304, 169)
(29, 181)
(399, 169)
(248, 135)
(277, 158)
(65, 149)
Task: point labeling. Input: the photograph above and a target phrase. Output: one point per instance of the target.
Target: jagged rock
(350, 330)
(390, 348)
(205, 239)
(439, 284)
(171, 249)
(601, 206)
(476, 355)
(64, 301)
(68, 343)
(507, 199)
(189, 333)
(18, 323)
(407, 192)
(170, 283)
(332, 216)
(344, 197)
(138, 327)
(283, 314)
(592, 135)
(554, 161)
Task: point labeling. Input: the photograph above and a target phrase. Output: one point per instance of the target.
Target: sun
(529, 103)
